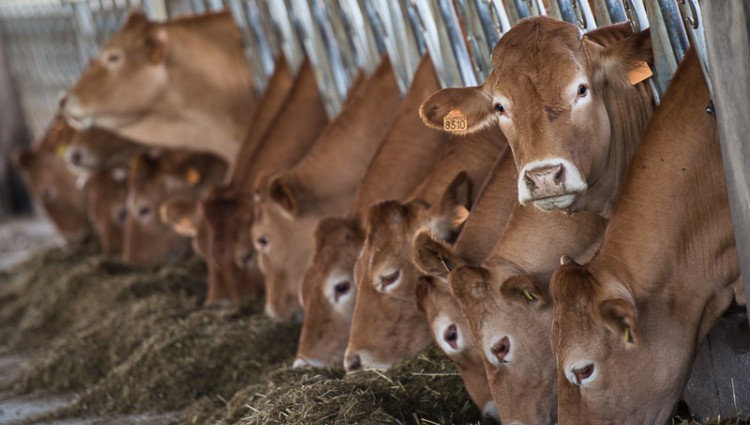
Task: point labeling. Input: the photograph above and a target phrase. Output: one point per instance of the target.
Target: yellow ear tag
(192, 176)
(639, 73)
(60, 151)
(627, 334)
(455, 122)
(527, 295)
(462, 214)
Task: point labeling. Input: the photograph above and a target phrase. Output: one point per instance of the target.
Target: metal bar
(691, 14)
(501, 14)
(457, 42)
(728, 41)
(670, 14)
(615, 10)
(584, 15)
(566, 10)
(287, 32)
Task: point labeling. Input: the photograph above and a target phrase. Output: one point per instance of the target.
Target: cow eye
(144, 212)
(389, 279)
(451, 336)
(582, 90)
(113, 58)
(122, 215)
(341, 289)
(263, 241)
(499, 108)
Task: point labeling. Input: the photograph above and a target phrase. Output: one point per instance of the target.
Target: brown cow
(52, 185)
(453, 336)
(401, 163)
(154, 178)
(95, 149)
(627, 325)
(178, 84)
(564, 100)
(322, 184)
(385, 309)
(107, 192)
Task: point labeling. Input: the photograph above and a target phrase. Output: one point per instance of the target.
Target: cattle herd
(566, 242)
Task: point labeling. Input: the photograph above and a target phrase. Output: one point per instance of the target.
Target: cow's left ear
(452, 210)
(432, 256)
(473, 103)
(628, 61)
(156, 44)
(621, 317)
(181, 215)
(282, 193)
(523, 289)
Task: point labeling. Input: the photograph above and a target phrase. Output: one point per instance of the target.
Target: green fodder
(424, 389)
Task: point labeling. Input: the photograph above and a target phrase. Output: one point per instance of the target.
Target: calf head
(328, 292)
(155, 178)
(52, 185)
(606, 345)
(387, 326)
(124, 82)
(453, 336)
(566, 106)
(510, 317)
(95, 149)
(107, 192)
(283, 236)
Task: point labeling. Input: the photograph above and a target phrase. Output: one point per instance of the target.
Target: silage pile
(129, 340)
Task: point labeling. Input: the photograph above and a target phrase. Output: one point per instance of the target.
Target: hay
(133, 341)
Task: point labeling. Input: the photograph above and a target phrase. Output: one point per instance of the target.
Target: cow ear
(156, 44)
(523, 289)
(181, 215)
(452, 210)
(628, 61)
(620, 316)
(282, 193)
(425, 285)
(136, 19)
(473, 103)
(468, 283)
(432, 256)
(22, 158)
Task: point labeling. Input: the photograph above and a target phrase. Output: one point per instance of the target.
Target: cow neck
(295, 129)
(474, 153)
(671, 231)
(498, 195)
(409, 150)
(271, 103)
(336, 164)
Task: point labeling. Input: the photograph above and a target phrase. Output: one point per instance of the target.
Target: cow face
(387, 325)
(453, 336)
(561, 100)
(124, 81)
(52, 185)
(510, 322)
(328, 292)
(107, 192)
(95, 149)
(283, 237)
(155, 178)
(603, 347)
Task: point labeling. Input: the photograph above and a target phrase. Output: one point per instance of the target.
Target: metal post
(288, 32)
(691, 15)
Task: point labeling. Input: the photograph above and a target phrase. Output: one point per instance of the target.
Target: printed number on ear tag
(455, 121)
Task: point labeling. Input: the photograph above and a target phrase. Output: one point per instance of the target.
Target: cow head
(107, 192)
(328, 292)
(387, 325)
(95, 149)
(127, 78)
(155, 178)
(604, 348)
(283, 236)
(566, 105)
(509, 315)
(52, 185)
(453, 336)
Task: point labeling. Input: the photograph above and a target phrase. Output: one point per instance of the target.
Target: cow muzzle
(551, 184)
(74, 112)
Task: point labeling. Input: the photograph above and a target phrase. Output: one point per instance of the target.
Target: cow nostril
(501, 349)
(389, 279)
(558, 177)
(353, 362)
(583, 373)
(529, 181)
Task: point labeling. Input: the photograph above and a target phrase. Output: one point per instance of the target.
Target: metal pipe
(675, 30)
(691, 14)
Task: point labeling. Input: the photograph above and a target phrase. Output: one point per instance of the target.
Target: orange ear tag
(639, 73)
(455, 122)
(192, 176)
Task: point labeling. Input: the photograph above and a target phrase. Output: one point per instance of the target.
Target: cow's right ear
(452, 210)
(432, 256)
(156, 44)
(181, 215)
(282, 193)
(473, 103)
(468, 283)
(621, 317)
